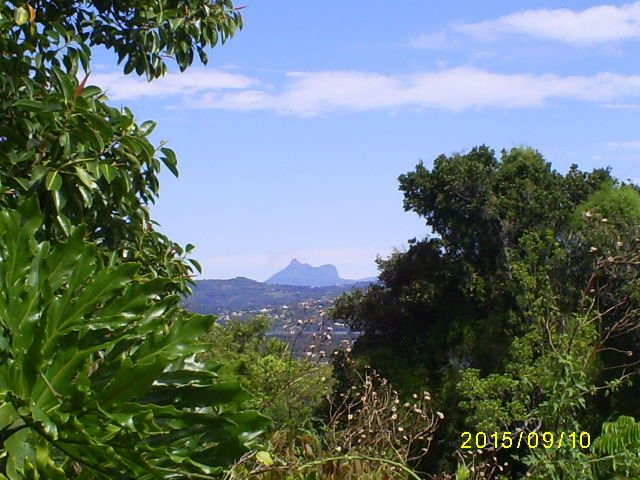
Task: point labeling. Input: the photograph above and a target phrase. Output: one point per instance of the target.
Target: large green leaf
(98, 366)
(89, 315)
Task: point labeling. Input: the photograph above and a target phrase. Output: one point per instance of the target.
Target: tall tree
(61, 141)
(514, 255)
(448, 302)
(98, 370)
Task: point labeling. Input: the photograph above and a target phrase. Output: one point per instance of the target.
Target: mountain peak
(303, 274)
(298, 273)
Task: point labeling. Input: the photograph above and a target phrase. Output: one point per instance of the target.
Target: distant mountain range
(298, 282)
(244, 294)
(303, 274)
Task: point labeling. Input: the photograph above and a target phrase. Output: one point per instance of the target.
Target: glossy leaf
(169, 160)
(53, 181)
(98, 366)
(89, 314)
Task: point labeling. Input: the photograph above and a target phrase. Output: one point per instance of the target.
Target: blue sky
(291, 139)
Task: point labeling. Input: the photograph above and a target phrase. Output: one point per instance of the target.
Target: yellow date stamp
(523, 439)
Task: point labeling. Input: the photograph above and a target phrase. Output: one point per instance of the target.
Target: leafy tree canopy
(60, 141)
(98, 377)
(449, 297)
(528, 279)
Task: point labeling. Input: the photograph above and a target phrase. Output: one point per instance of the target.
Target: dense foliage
(289, 390)
(97, 370)
(517, 313)
(520, 310)
(97, 375)
(60, 140)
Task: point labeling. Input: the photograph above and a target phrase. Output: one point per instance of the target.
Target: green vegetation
(97, 372)
(287, 390)
(518, 313)
(96, 375)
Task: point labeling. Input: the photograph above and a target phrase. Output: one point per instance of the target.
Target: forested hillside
(246, 295)
(503, 344)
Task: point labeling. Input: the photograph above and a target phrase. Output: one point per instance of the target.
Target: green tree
(60, 140)
(617, 450)
(97, 370)
(291, 391)
(519, 305)
(97, 378)
(570, 369)
(448, 302)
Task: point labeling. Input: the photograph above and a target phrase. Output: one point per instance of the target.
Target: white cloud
(594, 25)
(121, 87)
(319, 93)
